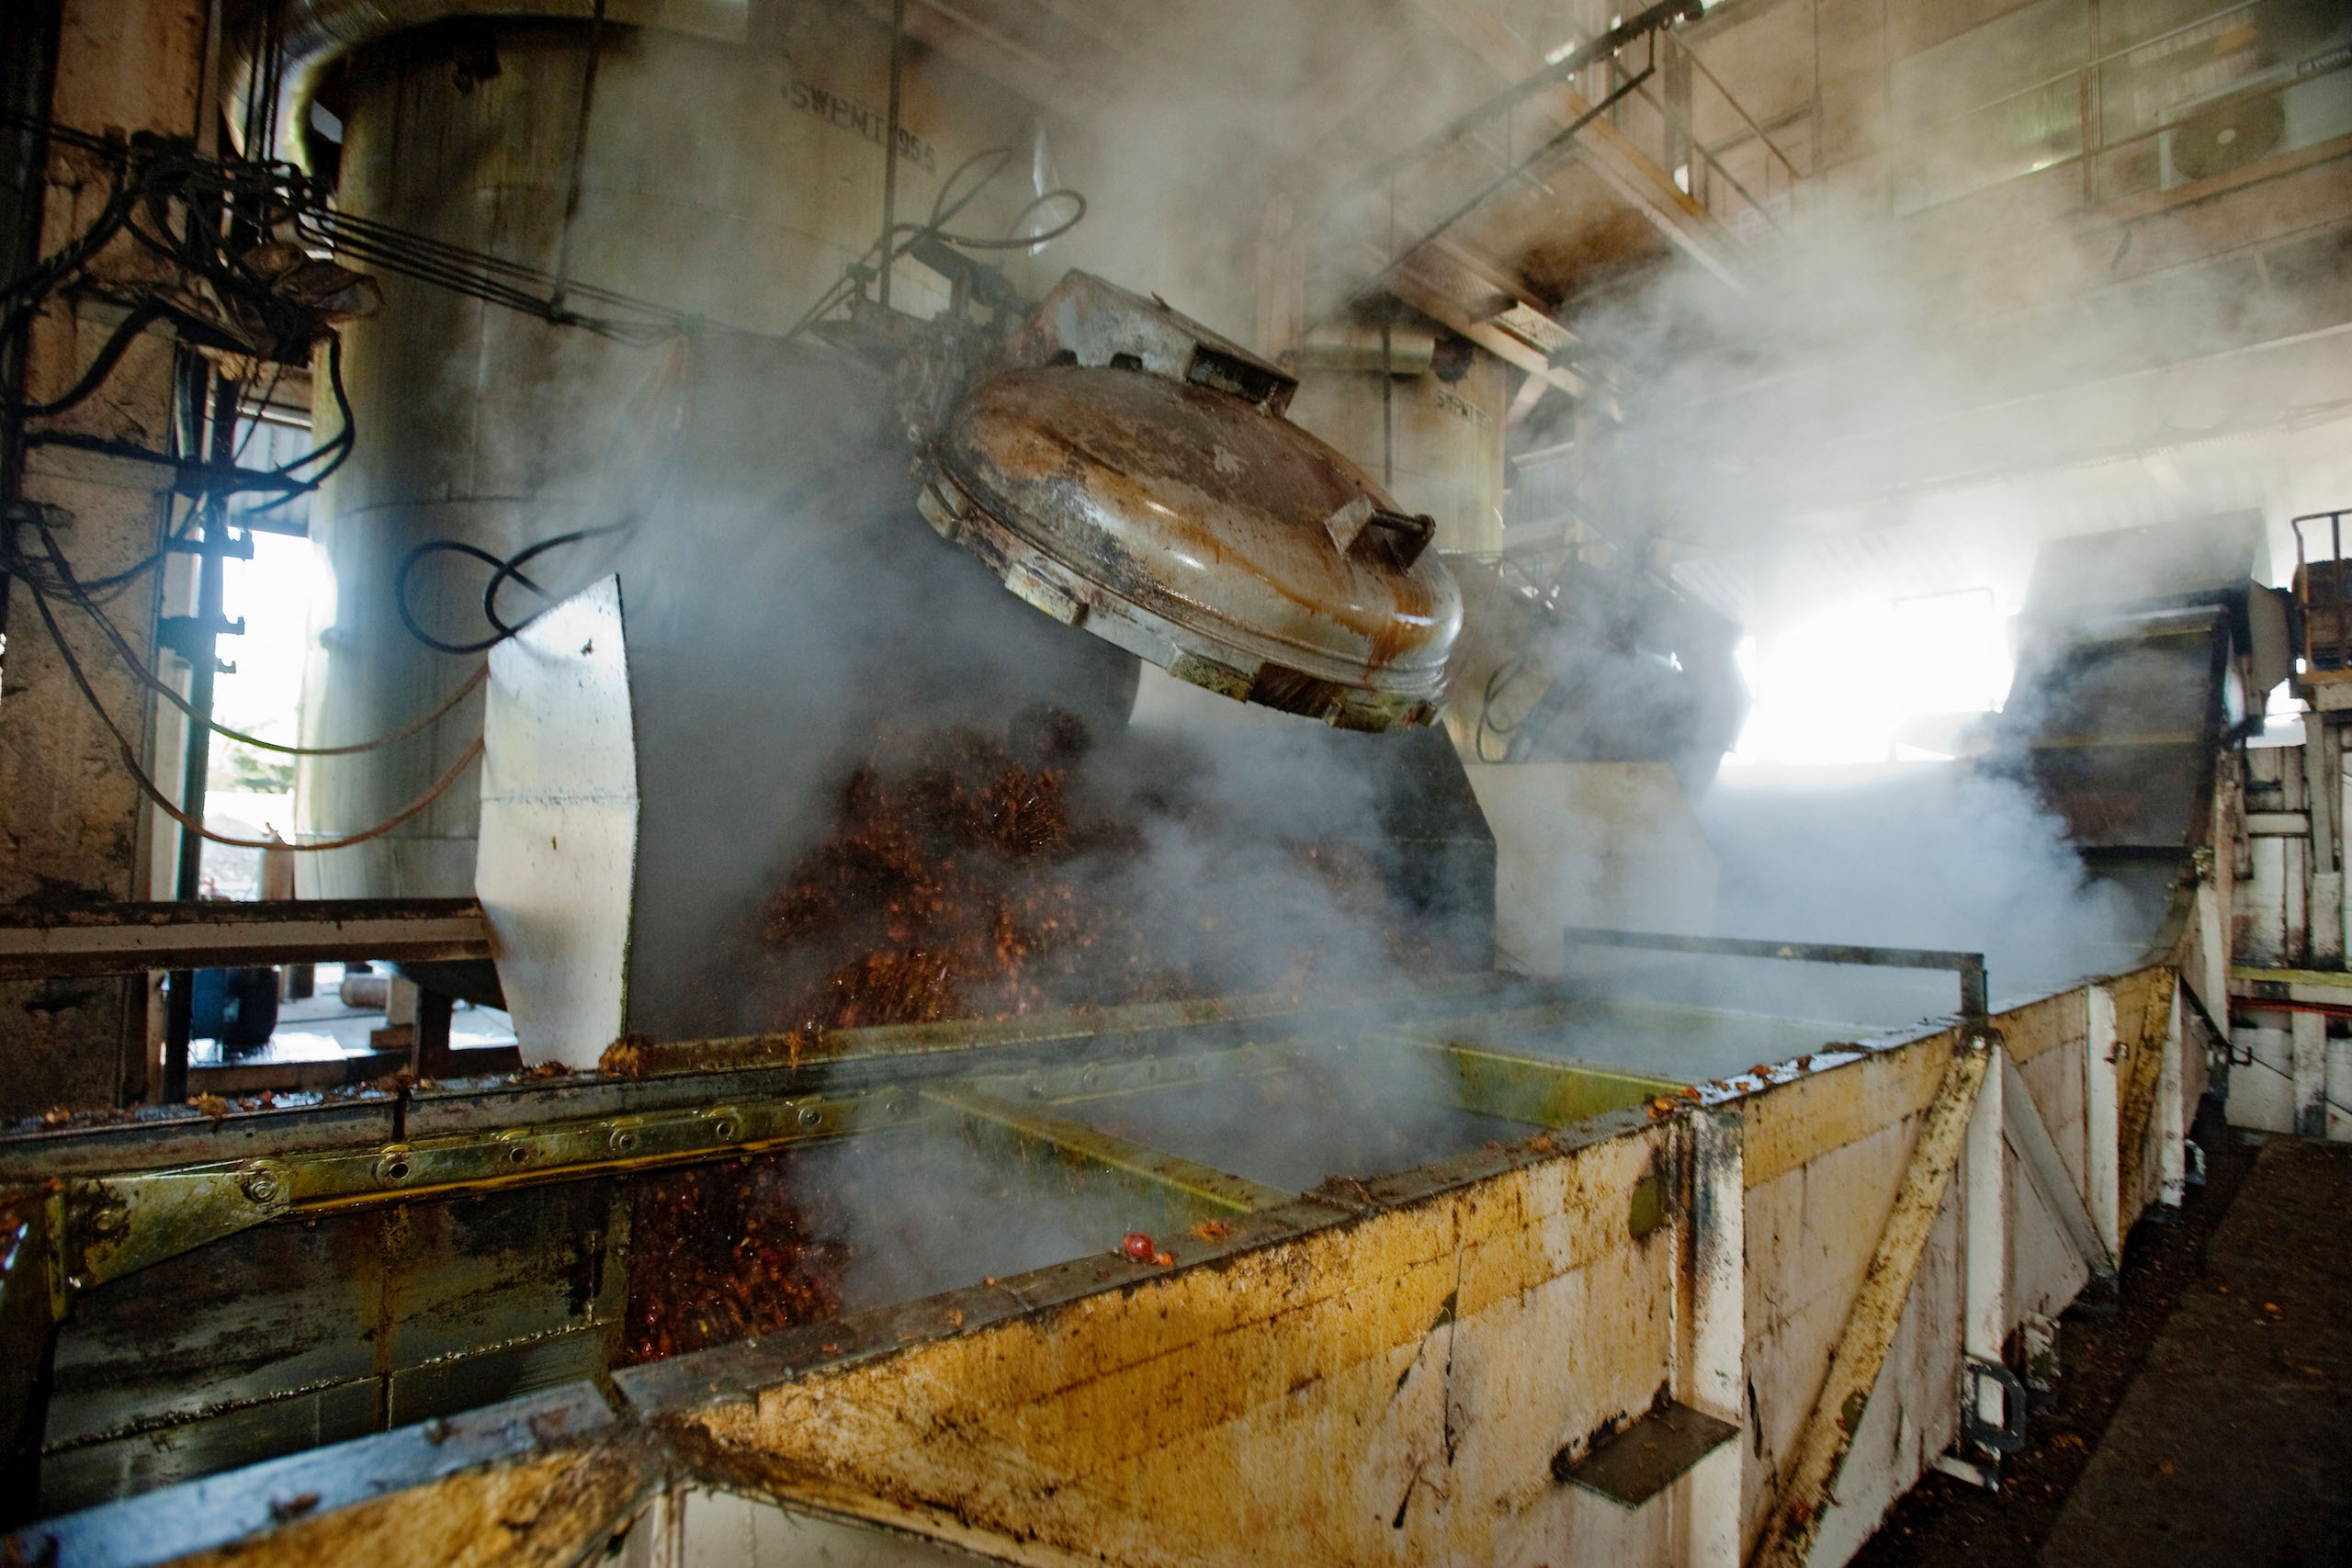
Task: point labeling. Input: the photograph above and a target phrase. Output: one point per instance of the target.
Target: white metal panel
(2294, 874)
(701, 1526)
(1984, 1187)
(2046, 1272)
(1913, 1409)
(559, 826)
(2263, 898)
(2262, 1084)
(2307, 1069)
(2103, 1189)
(1715, 1357)
(2339, 1091)
(2054, 1080)
(2053, 1242)
(2207, 969)
(1591, 844)
(1811, 1234)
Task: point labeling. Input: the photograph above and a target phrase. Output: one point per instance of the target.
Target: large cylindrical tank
(1431, 432)
(732, 180)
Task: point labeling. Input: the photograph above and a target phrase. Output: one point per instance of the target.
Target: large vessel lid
(1198, 528)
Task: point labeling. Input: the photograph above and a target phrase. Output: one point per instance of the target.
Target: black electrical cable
(153, 173)
(1497, 680)
(230, 479)
(139, 776)
(1016, 241)
(2251, 1060)
(22, 295)
(946, 206)
(335, 450)
(449, 547)
(998, 159)
(511, 568)
(34, 569)
(75, 592)
(261, 412)
(19, 564)
(157, 173)
(143, 316)
(853, 275)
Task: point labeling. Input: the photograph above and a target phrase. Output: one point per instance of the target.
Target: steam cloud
(789, 606)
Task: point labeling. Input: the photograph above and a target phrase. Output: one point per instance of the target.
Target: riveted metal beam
(117, 1224)
(126, 938)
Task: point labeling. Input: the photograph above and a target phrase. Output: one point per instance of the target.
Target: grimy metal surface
(1827, 1435)
(128, 938)
(1385, 1370)
(1164, 1036)
(324, 1278)
(545, 1445)
(1381, 1375)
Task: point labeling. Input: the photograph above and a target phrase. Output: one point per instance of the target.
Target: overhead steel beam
(1605, 149)
(1522, 403)
(130, 938)
(971, 41)
(1441, 307)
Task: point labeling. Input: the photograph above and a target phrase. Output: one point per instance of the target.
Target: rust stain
(1123, 469)
(553, 1508)
(1262, 1401)
(2142, 1018)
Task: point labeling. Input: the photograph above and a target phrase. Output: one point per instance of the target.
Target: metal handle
(1973, 993)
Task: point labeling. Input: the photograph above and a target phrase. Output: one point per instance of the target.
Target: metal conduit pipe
(312, 34)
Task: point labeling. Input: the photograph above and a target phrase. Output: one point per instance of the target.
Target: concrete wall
(72, 824)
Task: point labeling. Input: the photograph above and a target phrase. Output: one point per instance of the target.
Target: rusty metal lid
(1204, 532)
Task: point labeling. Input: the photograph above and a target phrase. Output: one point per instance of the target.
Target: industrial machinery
(942, 1106)
(1412, 1272)
(2144, 655)
(2323, 612)
(1131, 472)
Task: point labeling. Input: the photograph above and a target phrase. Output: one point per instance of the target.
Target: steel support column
(1985, 1248)
(2102, 1121)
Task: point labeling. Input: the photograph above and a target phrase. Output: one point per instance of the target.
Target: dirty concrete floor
(2189, 1425)
(2235, 1442)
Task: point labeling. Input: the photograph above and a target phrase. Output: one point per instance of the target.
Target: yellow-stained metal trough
(1413, 1366)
